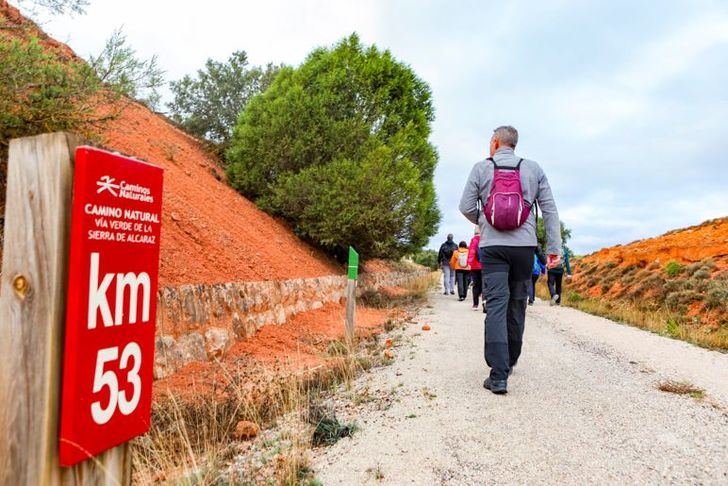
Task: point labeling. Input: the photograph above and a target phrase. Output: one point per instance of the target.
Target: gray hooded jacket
(535, 187)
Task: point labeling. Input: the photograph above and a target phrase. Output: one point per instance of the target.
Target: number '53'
(107, 378)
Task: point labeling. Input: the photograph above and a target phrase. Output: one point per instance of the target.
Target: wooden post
(351, 294)
(32, 319)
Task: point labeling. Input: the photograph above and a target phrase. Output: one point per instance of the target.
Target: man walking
(443, 260)
(507, 245)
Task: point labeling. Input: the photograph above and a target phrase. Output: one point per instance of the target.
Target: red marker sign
(112, 295)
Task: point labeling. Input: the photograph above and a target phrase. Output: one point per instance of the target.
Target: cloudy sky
(624, 103)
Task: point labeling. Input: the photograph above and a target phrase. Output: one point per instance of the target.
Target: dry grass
(191, 440)
(414, 292)
(659, 320)
(681, 388)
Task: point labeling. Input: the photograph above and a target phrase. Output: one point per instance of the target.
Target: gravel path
(582, 407)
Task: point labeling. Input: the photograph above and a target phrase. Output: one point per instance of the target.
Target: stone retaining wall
(200, 322)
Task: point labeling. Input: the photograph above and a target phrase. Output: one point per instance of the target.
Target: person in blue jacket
(539, 268)
(555, 276)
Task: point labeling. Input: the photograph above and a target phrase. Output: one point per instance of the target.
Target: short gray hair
(507, 135)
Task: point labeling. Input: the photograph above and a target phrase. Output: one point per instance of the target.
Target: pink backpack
(505, 208)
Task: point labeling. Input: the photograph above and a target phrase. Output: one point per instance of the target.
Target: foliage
(40, 92)
(339, 147)
(426, 258)
(118, 67)
(208, 104)
(673, 268)
(541, 234)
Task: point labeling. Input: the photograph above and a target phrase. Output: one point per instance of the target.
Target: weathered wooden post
(351, 294)
(34, 296)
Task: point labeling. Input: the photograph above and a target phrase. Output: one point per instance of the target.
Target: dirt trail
(582, 407)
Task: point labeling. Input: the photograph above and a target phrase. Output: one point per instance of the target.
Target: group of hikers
(461, 268)
(503, 262)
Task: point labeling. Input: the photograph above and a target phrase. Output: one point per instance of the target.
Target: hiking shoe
(460, 299)
(554, 298)
(530, 302)
(475, 307)
(499, 387)
(452, 292)
(444, 293)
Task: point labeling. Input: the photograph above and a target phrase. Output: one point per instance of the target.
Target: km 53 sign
(110, 316)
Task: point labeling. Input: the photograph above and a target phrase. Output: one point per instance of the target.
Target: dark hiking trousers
(477, 277)
(463, 280)
(555, 280)
(532, 288)
(507, 271)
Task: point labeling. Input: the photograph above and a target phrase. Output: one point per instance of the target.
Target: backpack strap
(500, 167)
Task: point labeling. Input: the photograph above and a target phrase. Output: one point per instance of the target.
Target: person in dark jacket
(443, 261)
(555, 277)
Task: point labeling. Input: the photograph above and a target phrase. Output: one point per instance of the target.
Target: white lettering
(132, 281)
(97, 294)
(98, 300)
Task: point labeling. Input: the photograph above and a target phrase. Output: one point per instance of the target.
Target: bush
(119, 68)
(209, 103)
(426, 258)
(574, 297)
(339, 147)
(675, 300)
(672, 269)
(702, 274)
(41, 93)
(716, 296)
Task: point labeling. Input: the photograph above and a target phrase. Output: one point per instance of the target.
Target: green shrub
(41, 93)
(209, 103)
(339, 147)
(426, 258)
(672, 328)
(673, 268)
(574, 297)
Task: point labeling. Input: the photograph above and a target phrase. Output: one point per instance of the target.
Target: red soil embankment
(688, 245)
(210, 233)
(680, 278)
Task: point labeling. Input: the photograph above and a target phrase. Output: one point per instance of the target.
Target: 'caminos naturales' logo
(124, 190)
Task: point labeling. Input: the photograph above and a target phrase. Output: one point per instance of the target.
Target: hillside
(675, 283)
(210, 233)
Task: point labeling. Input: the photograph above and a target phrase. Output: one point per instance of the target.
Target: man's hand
(568, 277)
(553, 261)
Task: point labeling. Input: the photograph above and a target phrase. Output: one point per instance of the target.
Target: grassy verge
(412, 292)
(259, 431)
(661, 321)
